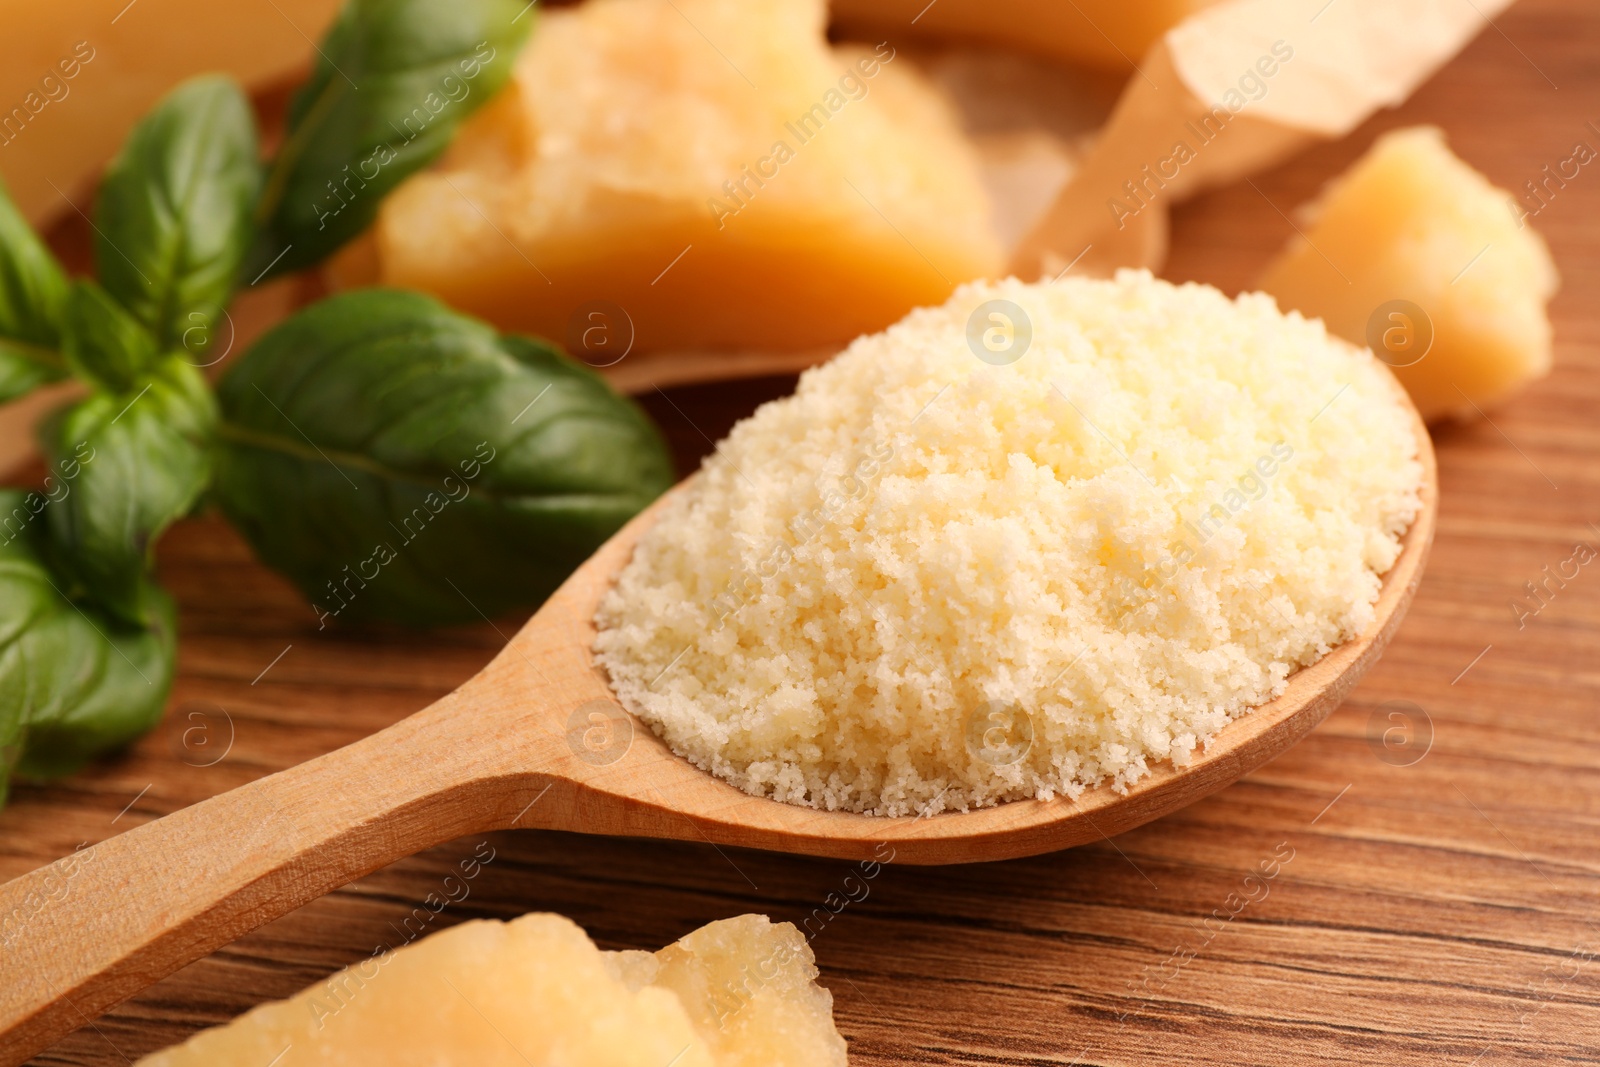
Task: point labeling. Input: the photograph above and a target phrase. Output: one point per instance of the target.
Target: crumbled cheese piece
(1414, 253)
(536, 992)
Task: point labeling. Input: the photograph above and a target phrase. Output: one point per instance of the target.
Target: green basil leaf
(104, 344)
(399, 461)
(143, 459)
(74, 681)
(32, 292)
(173, 220)
(24, 367)
(393, 81)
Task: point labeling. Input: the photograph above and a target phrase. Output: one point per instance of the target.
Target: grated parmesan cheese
(933, 581)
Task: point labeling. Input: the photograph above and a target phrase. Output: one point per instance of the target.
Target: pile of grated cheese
(930, 581)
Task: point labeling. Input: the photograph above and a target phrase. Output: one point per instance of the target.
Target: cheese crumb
(1031, 541)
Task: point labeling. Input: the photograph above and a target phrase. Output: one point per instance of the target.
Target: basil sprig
(86, 637)
(397, 460)
(393, 81)
(402, 462)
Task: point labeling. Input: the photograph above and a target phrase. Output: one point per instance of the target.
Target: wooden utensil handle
(96, 927)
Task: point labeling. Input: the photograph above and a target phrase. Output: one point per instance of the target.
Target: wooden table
(1440, 902)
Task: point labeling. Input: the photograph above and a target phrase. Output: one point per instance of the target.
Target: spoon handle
(96, 927)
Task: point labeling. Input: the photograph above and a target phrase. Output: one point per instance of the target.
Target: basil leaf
(173, 218)
(104, 344)
(393, 81)
(24, 367)
(74, 682)
(32, 291)
(143, 459)
(399, 461)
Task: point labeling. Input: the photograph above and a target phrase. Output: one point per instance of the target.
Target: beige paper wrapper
(1219, 85)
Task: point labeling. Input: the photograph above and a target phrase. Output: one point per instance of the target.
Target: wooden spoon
(535, 740)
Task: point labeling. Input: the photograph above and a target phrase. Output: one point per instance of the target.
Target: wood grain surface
(1435, 845)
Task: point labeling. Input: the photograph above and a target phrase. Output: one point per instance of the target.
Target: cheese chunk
(1415, 254)
(710, 167)
(535, 992)
(79, 73)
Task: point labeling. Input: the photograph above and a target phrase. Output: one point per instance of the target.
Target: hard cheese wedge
(1415, 254)
(79, 73)
(711, 170)
(535, 992)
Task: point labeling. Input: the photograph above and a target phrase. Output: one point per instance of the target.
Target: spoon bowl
(537, 739)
